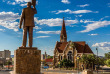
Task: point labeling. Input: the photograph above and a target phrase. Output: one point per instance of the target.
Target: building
(44, 56)
(5, 54)
(68, 49)
(49, 62)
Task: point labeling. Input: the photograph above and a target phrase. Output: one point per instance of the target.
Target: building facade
(5, 54)
(49, 62)
(68, 49)
(44, 56)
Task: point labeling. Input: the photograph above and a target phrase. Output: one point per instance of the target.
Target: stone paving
(11, 72)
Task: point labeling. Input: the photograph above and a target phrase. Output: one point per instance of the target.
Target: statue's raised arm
(34, 3)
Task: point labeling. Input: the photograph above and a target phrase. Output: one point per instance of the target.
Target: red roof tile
(81, 47)
(80, 43)
(48, 60)
(87, 49)
(61, 46)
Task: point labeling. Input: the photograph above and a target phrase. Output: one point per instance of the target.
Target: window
(61, 57)
(69, 55)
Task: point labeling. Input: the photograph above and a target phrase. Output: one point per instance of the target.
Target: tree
(8, 63)
(107, 58)
(66, 63)
(108, 62)
(84, 60)
(101, 61)
(90, 60)
(107, 55)
(50, 57)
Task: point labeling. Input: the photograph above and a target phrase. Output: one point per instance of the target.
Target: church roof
(81, 47)
(61, 46)
(63, 31)
(87, 49)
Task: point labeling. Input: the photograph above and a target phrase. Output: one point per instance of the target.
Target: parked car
(46, 67)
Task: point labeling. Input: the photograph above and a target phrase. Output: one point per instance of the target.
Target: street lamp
(97, 60)
(59, 65)
(77, 65)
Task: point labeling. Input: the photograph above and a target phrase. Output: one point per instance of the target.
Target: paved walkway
(4, 72)
(45, 73)
(11, 72)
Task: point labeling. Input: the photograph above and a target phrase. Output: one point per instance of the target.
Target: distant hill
(12, 56)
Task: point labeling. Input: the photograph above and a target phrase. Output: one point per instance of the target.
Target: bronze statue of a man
(27, 18)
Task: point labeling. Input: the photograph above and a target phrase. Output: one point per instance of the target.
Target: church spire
(63, 35)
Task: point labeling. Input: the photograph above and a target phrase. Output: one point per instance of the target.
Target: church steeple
(63, 35)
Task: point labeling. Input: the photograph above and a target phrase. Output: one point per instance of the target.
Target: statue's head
(29, 4)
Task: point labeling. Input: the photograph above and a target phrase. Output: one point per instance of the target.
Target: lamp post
(59, 65)
(97, 60)
(77, 65)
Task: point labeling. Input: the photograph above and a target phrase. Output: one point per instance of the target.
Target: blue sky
(86, 20)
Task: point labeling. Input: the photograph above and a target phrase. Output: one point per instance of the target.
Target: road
(5, 72)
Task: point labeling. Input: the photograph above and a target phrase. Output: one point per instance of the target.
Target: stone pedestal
(27, 61)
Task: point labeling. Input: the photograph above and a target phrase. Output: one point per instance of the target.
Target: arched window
(69, 55)
(61, 57)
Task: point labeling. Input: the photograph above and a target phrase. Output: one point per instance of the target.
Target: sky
(86, 20)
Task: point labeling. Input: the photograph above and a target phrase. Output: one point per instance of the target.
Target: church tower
(63, 35)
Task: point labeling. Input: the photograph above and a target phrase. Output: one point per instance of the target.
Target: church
(68, 49)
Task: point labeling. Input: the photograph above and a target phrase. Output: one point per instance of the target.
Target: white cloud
(83, 5)
(65, 1)
(8, 20)
(108, 4)
(74, 12)
(49, 32)
(3, 0)
(104, 18)
(2, 30)
(36, 27)
(20, 2)
(92, 34)
(102, 45)
(86, 21)
(9, 25)
(25, 4)
(42, 37)
(8, 16)
(12, 3)
(95, 25)
(78, 15)
(55, 22)
(23, 0)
